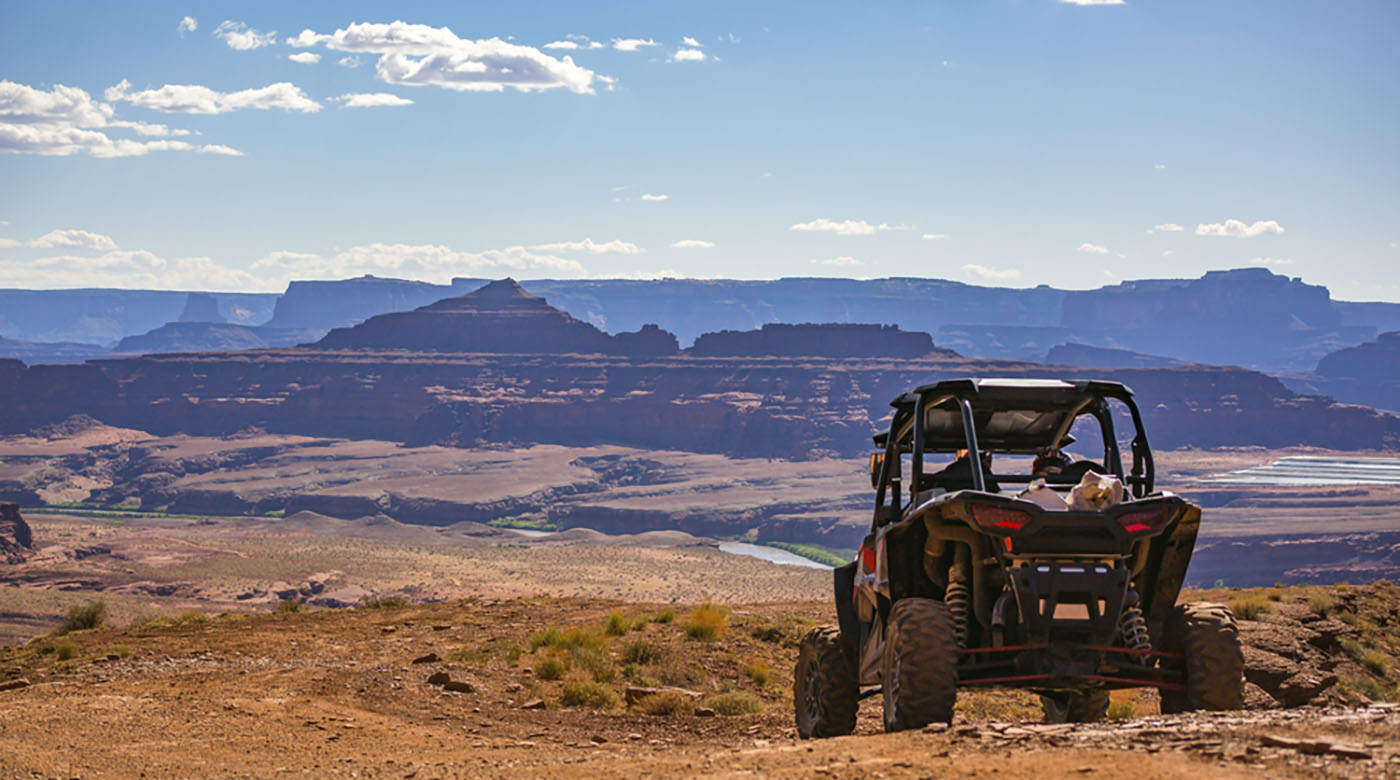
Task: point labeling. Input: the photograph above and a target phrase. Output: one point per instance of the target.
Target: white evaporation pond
(1316, 470)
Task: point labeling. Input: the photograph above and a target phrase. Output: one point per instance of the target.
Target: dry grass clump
(1322, 603)
(552, 666)
(568, 640)
(664, 616)
(586, 693)
(84, 617)
(734, 703)
(65, 651)
(707, 622)
(1122, 709)
(664, 704)
(642, 652)
(1008, 705)
(1250, 607)
(758, 672)
(385, 602)
(617, 624)
(288, 607)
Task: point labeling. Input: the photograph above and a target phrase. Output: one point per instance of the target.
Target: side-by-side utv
(965, 579)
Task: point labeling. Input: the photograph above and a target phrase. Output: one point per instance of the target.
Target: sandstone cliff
(15, 538)
(819, 340)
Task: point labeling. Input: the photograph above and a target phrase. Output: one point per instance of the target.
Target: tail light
(999, 520)
(1146, 521)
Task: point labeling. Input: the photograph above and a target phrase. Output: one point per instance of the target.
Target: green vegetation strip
(815, 552)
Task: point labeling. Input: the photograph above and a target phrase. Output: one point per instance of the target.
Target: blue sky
(1015, 142)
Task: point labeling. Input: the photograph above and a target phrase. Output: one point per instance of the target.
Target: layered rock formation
(497, 318)
(211, 337)
(821, 340)
(16, 540)
(201, 307)
(1104, 357)
(338, 304)
(1366, 374)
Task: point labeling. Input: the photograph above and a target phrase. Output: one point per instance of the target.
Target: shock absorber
(1133, 626)
(958, 594)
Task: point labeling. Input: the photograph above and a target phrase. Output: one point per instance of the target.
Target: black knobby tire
(824, 689)
(1206, 634)
(919, 668)
(1085, 707)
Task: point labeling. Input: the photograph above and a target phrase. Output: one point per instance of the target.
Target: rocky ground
(528, 687)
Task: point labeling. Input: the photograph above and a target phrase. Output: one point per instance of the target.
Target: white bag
(1039, 493)
(1095, 493)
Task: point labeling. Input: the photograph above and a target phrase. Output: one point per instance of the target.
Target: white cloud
(934, 236)
(845, 228)
(1093, 249)
(66, 120)
(693, 243)
(573, 42)
(136, 269)
(6, 243)
(1094, 2)
(1235, 228)
(688, 55)
(241, 37)
(372, 100)
(570, 45)
(649, 196)
(82, 239)
(1271, 261)
(1169, 227)
(1168, 253)
(691, 42)
(842, 260)
(197, 99)
(305, 57)
(1159, 166)
(632, 44)
(416, 54)
(433, 263)
(188, 24)
(227, 151)
(589, 246)
(348, 62)
(647, 276)
(991, 274)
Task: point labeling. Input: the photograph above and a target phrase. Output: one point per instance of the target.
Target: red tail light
(999, 520)
(1147, 521)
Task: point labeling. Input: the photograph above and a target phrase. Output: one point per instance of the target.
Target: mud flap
(844, 578)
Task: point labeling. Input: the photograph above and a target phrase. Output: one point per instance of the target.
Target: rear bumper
(1069, 666)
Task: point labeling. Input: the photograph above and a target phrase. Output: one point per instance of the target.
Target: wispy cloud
(241, 37)
(416, 54)
(67, 120)
(305, 57)
(693, 243)
(348, 62)
(372, 100)
(197, 99)
(80, 239)
(1271, 261)
(849, 227)
(1093, 249)
(591, 247)
(842, 260)
(688, 55)
(188, 24)
(991, 274)
(1168, 227)
(650, 196)
(691, 42)
(934, 236)
(1235, 228)
(632, 44)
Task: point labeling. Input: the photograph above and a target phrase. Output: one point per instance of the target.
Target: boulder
(16, 540)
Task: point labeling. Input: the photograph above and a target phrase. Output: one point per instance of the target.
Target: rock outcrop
(201, 307)
(211, 337)
(1367, 374)
(498, 318)
(835, 340)
(16, 540)
(1105, 357)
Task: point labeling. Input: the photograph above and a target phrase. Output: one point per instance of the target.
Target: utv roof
(1012, 415)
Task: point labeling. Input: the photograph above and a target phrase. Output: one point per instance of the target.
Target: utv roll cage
(1014, 416)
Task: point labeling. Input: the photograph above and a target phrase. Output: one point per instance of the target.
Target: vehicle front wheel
(1206, 634)
(919, 669)
(824, 690)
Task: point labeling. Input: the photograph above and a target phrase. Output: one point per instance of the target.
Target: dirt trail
(337, 693)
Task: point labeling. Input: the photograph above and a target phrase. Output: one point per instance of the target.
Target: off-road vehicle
(983, 576)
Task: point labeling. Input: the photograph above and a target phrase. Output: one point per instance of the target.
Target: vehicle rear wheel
(1206, 634)
(919, 668)
(1084, 707)
(824, 690)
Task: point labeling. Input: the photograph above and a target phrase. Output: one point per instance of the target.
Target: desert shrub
(472, 655)
(640, 622)
(707, 622)
(65, 651)
(288, 607)
(549, 637)
(1376, 662)
(765, 632)
(664, 703)
(384, 602)
(588, 694)
(597, 663)
(664, 616)
(1322, 603)
(1122, 709)
(1009, 705)
(1250, 607)
(671, 670)
(1371, 689)
(121, 651)
(641, 651)
(734, 703)
(759, 672)
(83, 617)
(551, 667)
(617, 624)
(1274, 595)
(567, 640)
